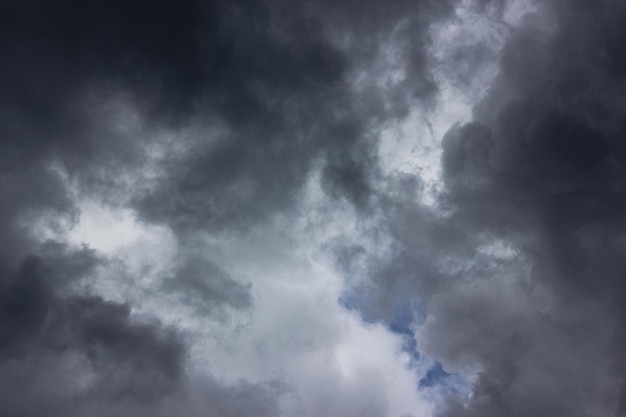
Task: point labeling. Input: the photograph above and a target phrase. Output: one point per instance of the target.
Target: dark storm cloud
(65, 354)
(275, 75)
(523, 276)
(44, 326)
(271, 78)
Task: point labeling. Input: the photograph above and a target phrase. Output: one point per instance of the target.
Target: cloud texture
(312, 208)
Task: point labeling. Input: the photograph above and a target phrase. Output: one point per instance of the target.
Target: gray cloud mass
(250, 134)
(522, 277)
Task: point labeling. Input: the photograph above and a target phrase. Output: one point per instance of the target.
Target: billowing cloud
(519, 268)
(138, 140)
(311, 208)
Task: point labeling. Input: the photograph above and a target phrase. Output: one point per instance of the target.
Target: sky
(299, 208)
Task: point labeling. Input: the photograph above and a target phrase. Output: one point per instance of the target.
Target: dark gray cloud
(45, 328)
(266, 90)
(517, 275)
(521, 273)
(63, 353)
(274, 75)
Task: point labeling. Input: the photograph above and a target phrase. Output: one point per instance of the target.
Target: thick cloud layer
(204, 209)
(520, 274)
(199, 117)
(265, 86)
(541, 167)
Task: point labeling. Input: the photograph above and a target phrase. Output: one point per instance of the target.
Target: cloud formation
(201, 118)
(519, 275)
(237, 208)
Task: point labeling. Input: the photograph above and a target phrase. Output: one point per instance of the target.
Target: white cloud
(330, 362)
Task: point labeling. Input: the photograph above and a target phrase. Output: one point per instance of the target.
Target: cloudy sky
(313, 208)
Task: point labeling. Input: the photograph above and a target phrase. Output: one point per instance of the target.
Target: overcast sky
(313, 208)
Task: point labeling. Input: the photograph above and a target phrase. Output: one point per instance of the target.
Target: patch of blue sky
(405, 315)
